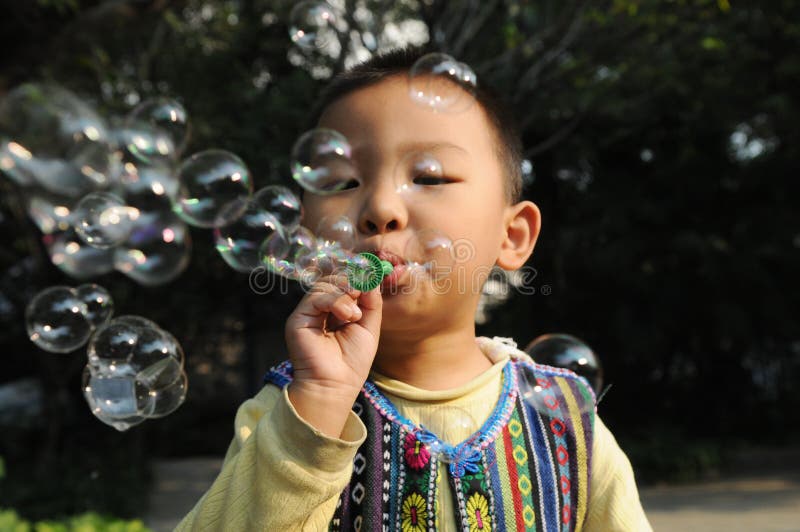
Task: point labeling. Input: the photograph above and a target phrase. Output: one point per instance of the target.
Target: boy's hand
(332, 337)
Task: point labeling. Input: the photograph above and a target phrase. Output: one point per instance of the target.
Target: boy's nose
(382, 211)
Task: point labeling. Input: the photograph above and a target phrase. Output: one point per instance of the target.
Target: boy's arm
(279, 473)
(613, 498)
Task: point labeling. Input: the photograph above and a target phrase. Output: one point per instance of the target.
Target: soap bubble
(102, 219)
(75, 257)
(50, 213)
(239, 242)
(419, 176)
(115, 400)
(56, 320)
(441, 83)
(282, 203)
(321, 162)
(169, 398)
(336, 231)
(99, 305)
(163, 114)
(157, 250)
(148, 187)
(214, 188)
(289, 254)
(312, 24)
(430, 253)
(569, 352)
(48, 136)
(142, 143)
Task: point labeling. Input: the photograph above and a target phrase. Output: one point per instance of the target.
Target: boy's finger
(343, 306)
(371, 304)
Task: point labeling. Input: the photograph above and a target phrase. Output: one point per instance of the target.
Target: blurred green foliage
(664, 145)
(88, 522)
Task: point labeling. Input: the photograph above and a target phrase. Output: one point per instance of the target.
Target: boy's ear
(523, 222)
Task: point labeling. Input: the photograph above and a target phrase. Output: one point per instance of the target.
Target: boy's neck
(440, 362)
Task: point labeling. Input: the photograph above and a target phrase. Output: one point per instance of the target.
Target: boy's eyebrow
(429, 146)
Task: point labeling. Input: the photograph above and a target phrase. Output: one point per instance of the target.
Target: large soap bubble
(321, 162)
(440, 83)
(99, 305)
(567, 351)
(239, 242)
(56, 320)
(163, 114)
(214, 186)
(157, 251)
(49, 137)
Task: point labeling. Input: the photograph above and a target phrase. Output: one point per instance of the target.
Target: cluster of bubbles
(134, 369)
(134, 372)
(100, 190)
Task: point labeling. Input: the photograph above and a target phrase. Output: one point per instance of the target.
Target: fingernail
(356, 311)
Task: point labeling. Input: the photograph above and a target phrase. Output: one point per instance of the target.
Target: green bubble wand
(367, 274)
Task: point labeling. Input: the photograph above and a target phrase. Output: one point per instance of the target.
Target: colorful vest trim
(526, 468)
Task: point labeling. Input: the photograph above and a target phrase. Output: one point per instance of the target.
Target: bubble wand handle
(367, 274)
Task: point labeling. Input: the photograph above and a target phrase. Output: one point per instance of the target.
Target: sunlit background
(661, 145)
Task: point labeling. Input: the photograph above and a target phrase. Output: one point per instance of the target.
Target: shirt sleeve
(279, 473)
(613, 497)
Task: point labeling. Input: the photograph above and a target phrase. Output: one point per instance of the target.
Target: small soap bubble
(440, 83)
(288, 255)
(419, 176)
(168, 399)
(214, 186)
(111, 397)
(142, 143)
(75, 257)
(240, 241)
(102, 219)
(50, 137)
(281, 203)
(452, 426)
(321, 162)
(430, 253)
(148, 187)
(50, 213)
(312, 24)
(333, 230)
(157, 250)
(99, 305)
(567, 351)
(56, 320)
(163, 114)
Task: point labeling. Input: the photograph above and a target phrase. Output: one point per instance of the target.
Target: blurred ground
(762, 494)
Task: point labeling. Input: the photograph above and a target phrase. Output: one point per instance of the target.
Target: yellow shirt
(280, 473)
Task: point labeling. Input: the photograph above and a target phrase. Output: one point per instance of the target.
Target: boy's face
(389, 133)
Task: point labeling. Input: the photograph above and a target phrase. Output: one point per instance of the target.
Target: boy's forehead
(383, 116)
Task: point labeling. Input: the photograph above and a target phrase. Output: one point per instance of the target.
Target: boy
(392, 415)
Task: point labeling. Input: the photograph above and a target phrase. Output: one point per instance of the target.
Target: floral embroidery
(414, 513)
(416, 451)
(478, 513)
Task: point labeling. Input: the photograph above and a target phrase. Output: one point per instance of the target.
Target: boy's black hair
(399, 62)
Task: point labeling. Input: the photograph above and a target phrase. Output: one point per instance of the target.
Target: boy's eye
(427, 180)
(350, 184)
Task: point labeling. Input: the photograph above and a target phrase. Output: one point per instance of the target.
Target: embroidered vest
(526, 468)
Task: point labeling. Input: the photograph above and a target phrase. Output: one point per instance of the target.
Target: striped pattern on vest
(526, 468)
